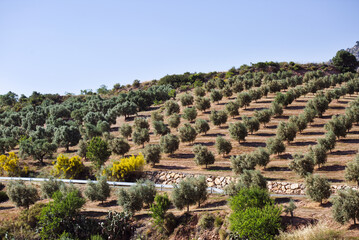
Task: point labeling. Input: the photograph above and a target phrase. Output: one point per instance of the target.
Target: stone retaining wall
(221, 182)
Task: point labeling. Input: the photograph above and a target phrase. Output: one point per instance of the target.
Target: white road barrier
(161, 187)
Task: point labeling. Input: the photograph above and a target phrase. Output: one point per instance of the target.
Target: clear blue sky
(58, 46)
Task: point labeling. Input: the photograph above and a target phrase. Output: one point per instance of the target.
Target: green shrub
(254, 215)
(256, 223)
(20, 194)
(98, 152)
(159, 209)
(32, 215)
(49, 187)
(202, 155)
(147, 191)
(99, 191)
(206, 221)
(59, 215)
(218, 222)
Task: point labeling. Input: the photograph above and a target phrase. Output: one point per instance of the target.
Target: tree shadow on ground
(295, 107)
(109, 204)
(285, 156)
(343, 102)
(264, 134)
(326, 117)
(332, 168)
(353, 227)
(214, 134)
(206, 143)
(254, 109)
(312, 133)
(307, 143)
(218, 203)
(264, 101)
(347, 152)
(326, 204)
(349, 140)
(332, 180)
(336, 107)
(219, 168)
(182, 155)
(282, 117)
(296, 222)
(169, 167)
(272, 127)
(353, 132)
(283, 169)
(6, 208)
(253, 144)
(281, 200)
(301, 100)
(317, 125)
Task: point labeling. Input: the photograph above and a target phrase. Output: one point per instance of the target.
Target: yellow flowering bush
(66, 167)
(10, 165)
(119, 170)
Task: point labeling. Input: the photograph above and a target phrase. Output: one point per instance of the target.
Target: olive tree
(186, 99)
(352, 170)
(140, 136)
(66, 136)
(275, 145)
(232, 108)
(223, 146)
(98, 191)
(189, 192)
(244, 99)
(287, 131)
(202, 103)
(202, 156)
(152, 154)
(216, 95)
(169, 143)
(318, 154)
(252, 124)
(346, 206)
(242, 162)
(218, 117)
(174, 120)
(119, 146)
(336, 126)
(141, 123)
(303, 165)
(189, 114)
(238, 131)
(317, 188)
(199, 92)
(171, 107)
(156, 116)
(263, 116)
(261, 156)
(126, 130)
(201, 126)
(187, 133)
(20, 194)
(160, 128)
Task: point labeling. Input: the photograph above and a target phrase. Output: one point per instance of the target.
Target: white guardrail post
(162, 187)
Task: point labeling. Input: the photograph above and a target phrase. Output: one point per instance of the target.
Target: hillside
(312, 115)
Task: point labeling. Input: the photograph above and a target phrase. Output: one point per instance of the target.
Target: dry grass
(319, 231)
